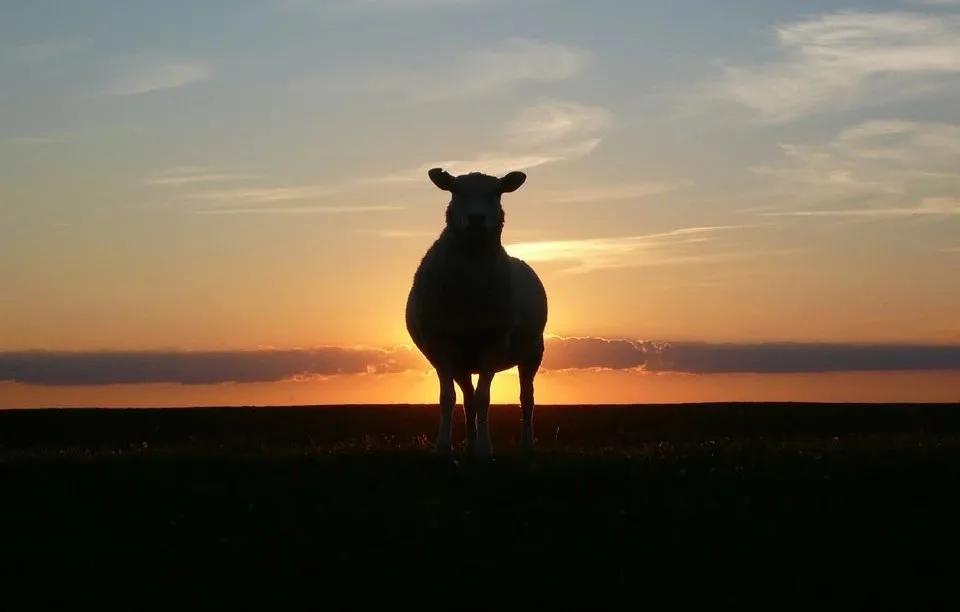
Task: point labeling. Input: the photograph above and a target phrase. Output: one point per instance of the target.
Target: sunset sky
(224, 202)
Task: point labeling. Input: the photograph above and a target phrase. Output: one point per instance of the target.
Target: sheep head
(475, 212)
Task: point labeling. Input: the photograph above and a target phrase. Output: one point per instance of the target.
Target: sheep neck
(457, 244)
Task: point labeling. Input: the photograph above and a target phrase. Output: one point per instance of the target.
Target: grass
(784, 506)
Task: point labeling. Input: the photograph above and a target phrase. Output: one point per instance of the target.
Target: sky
(224, 202)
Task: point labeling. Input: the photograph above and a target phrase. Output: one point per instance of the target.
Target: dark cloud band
(270, 365)
(198, 367)
(758, 358)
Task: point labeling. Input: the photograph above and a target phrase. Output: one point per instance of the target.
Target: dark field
(784, 506)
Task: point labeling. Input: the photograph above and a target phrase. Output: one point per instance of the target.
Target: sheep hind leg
(469, 412)
(481, 401)
(527, 373)
(448, 397)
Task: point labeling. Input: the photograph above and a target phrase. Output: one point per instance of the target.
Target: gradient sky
(249, 177)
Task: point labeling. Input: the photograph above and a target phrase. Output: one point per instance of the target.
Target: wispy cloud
(262, 195)
(831, 62)
(943, 207)
(487, 71)
(496, 163)
(314, 5)
(591, 254)
(192, 175)
(908, 142)
(886, 166)
(254, 199)
(394, 233)
(298, 210)
(411, 3)
(580, 135)
(552, 121)
(935, 2)
(212, 177)
(630, 191)
(158, 77)
(819, 174)
(38, 140)
(42, 51)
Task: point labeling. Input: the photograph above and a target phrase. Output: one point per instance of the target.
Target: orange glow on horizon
(561, 387)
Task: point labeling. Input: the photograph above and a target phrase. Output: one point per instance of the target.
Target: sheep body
(467, 313)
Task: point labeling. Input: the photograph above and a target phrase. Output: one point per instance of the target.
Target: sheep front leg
(470, 415)
(448, 397)
(481, 402)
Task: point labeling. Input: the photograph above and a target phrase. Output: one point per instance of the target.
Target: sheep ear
(442, 179)
(512, 182)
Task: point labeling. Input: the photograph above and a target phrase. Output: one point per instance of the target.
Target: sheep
(473, 309)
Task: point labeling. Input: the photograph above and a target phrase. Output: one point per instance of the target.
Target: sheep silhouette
(473, 309)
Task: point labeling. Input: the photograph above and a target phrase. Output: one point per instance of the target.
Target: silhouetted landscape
(781, 505)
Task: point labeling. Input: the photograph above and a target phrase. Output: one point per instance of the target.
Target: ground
(782, 506)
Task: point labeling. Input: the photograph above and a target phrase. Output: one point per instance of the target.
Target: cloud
(262, 195)
(555, 120)
(192, 175)
(509, 63)
(496, 163)
(579, 353)
(395, 233)
(313, 5)
(591, 254)
(835, 61)
(928, 206)
(253, 200)
(298, 210)
(756, 358)
(490, 71)
(42, 51)
(579, 137)
(38, 140)
(198, 367)
(890, 168)
(905, 142)
(630, 191)
(410, 3)
(52, 368)
(159, 77)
